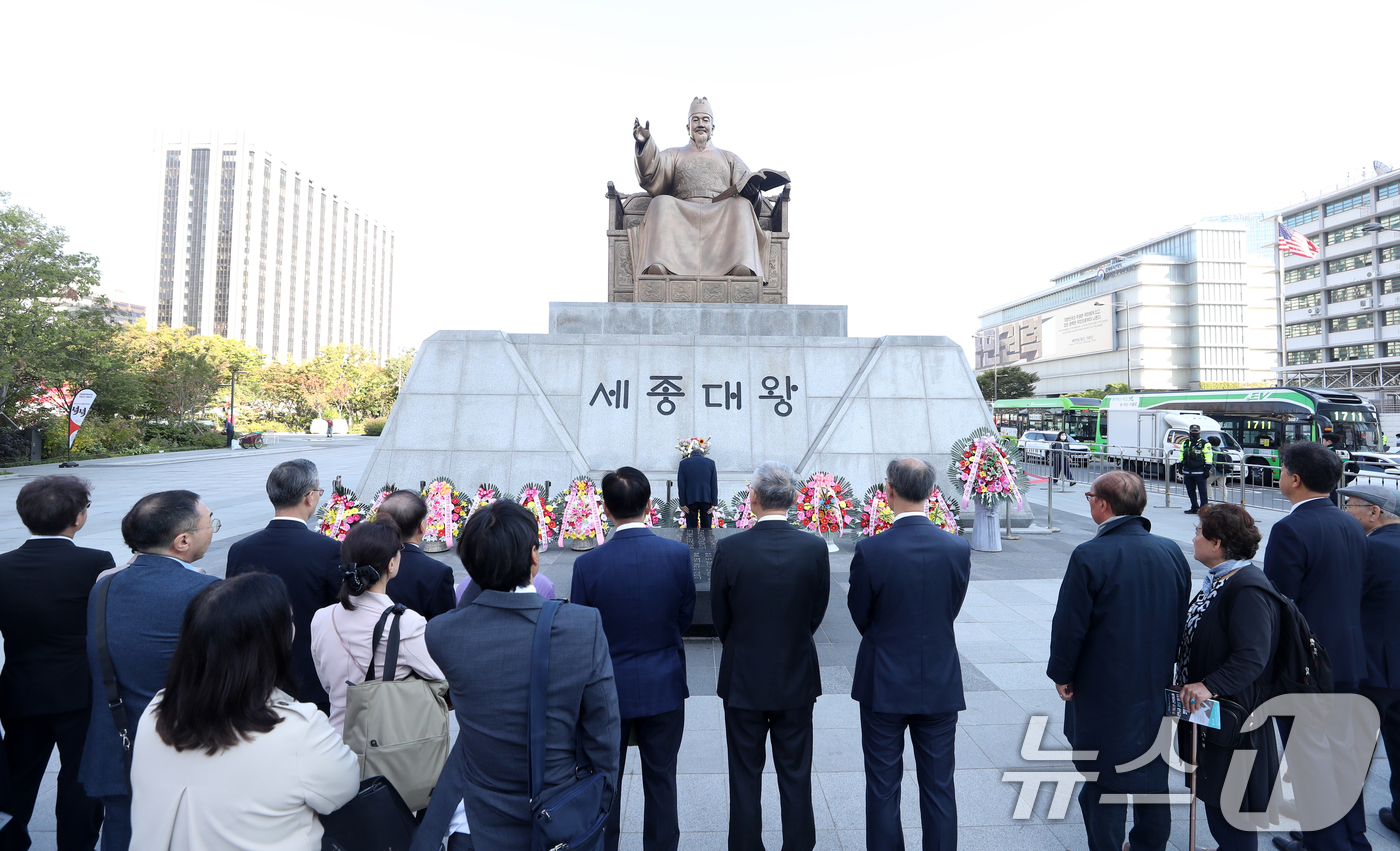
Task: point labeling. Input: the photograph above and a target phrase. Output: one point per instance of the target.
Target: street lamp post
(1127, 332)
(232, 385)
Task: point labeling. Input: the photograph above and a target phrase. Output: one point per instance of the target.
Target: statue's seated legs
(739, 271)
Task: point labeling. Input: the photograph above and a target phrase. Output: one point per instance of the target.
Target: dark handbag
(572, 817)
(376, 819)
(109, 678)
(1232, 717)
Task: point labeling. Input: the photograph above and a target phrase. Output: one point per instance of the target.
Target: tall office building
(1341, 310)
(1189, 310)
(252, 248)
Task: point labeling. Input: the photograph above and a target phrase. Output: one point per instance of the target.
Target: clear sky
(945, 156)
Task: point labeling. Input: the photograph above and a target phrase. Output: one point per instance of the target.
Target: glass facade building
(283, 292)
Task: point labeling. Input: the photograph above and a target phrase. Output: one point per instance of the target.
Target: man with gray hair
(907, 586)
(1378, 510)
(307, 562)
(769, 588)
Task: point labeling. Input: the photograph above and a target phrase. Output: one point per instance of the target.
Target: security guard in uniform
(1197, 456)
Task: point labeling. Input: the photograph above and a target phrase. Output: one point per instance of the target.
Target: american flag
(1292, 242)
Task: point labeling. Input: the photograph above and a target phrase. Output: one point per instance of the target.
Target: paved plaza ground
(1003, 636)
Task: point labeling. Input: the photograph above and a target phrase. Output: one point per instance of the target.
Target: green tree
(184, 372)
(45, 336)
(1116, 387)
(1007, 382)
(1091, 394)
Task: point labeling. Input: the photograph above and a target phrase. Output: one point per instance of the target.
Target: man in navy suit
(146, 602)
(644, 589)
(308, 563)
(770, 586)
(907, 586)
(1378, 509)
(45, 691)
(698, 485)
(423, 583)
(1317, 556)
(1113, 643)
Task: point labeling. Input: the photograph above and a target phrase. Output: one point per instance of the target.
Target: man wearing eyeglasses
(308, 563)
(1378, 510)
(145, 605)
(1113, 644)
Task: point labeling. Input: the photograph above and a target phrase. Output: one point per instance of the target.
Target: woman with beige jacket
(225, 757)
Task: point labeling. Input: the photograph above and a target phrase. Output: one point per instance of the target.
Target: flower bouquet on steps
(340, 512)
(486, 493)
(824, 504)
(447, 511)
(379, 497)
(581, 520)
(739, 509)
(990, 470)
(875, 513)
(532, 497)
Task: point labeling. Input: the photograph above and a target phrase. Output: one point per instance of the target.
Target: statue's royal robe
(684, 229)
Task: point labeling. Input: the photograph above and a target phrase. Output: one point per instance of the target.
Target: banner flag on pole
(82, 403)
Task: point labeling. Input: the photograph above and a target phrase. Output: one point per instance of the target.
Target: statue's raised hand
(640, 133)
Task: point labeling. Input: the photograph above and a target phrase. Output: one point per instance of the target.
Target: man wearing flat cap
(1378, 509)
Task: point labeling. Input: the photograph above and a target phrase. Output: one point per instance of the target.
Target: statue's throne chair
(625, 211)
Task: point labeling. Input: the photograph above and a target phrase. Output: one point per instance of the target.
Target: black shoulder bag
(573, 816)
(109, 678)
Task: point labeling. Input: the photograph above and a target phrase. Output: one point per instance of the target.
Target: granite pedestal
(619, 384)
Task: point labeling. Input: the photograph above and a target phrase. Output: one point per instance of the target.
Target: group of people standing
(1127, 629)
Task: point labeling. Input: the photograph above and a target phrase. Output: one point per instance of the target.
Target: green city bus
(1078, 416)
(1263, 419)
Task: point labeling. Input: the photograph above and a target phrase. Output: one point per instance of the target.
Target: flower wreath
(582, 513)
(739, 509)
(875, 513)
(340, 512)
(823, 504)
(989, 467)
(486, 493)
(447, 511)
(531, 497)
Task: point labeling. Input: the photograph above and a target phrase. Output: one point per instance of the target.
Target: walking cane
(1195, 735)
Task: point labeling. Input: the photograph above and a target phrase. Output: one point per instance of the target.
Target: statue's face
(701, 128)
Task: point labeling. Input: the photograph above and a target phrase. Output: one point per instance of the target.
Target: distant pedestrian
(1113, 644)
(1317, 556)
(697, 485)
(227, 758)
(643, 587)
(1227, 651)
(907, 587)
(1059, 460)
(330, 428)
(146, 602)
(45, 688)
(229, 432)
(423, 583)
(308, 563)
(1197, 458)
(769, 590)
(1378, 510)
(1218, 472)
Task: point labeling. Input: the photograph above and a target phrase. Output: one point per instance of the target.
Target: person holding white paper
(1227, 651)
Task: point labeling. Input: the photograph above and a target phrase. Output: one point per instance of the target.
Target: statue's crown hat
(701, 105)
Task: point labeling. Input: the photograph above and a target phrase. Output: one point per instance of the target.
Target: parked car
(1035, 445)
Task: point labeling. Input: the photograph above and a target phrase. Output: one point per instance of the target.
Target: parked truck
(1148, 440)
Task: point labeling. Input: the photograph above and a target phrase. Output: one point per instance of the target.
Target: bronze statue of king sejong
(701, 219)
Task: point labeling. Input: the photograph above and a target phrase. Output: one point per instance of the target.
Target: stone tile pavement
(1003, 633)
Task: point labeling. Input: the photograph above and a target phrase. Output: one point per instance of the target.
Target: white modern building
(1342, 308)
(253, 248)
(1192, 309)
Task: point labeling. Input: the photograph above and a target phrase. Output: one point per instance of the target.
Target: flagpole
(1278, 291)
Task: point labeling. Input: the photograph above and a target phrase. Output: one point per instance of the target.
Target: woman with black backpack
(1059, 460)
(1227, 656)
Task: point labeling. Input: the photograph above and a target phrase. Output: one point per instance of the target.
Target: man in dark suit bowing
(644, 589)
(1317, 556)
(697, 484)
(1378, 510)
(45, 691)
(907, 586)
(769, 588)
(308, 563)
(423, 583)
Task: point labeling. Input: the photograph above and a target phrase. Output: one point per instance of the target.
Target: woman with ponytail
(342, 634)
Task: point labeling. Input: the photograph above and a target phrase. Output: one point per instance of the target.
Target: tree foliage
(1010, 382)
